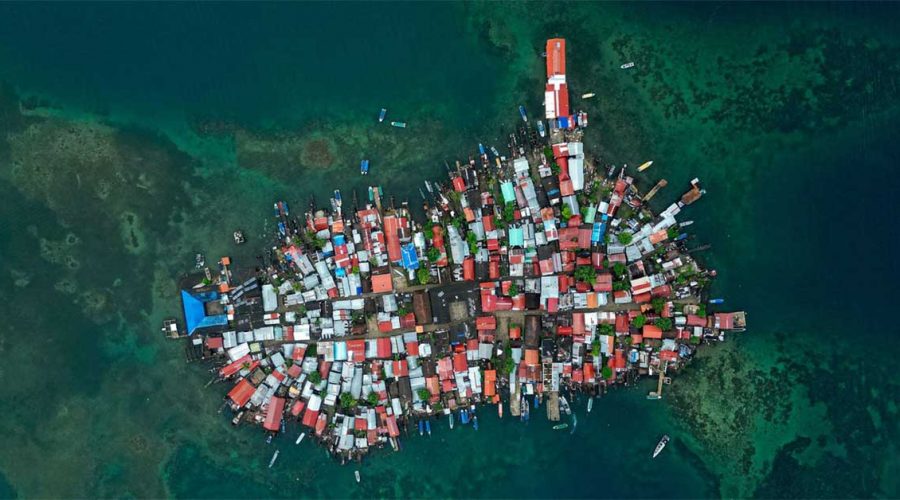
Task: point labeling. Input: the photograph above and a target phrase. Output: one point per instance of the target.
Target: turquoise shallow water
(148, 132)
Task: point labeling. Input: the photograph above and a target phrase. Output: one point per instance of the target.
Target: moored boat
(588, 95)
(382, 114)
(274, 458)
(645, 166)
(559, 427)
(364, 167)
(716, 301)
(398, 124)
(421, 427)
(564, 405)
(662, 444)
(428, 427)
(590, 404)
(627, 65)
(451, 420)
(475, 422)
(523, 114)
(540, 127)
(300, 438)
(356, 475)
(686, 223)
(500, 409)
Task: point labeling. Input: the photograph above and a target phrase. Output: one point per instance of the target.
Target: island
(527, 279)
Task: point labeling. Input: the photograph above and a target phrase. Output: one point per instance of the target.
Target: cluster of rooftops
(527, 276)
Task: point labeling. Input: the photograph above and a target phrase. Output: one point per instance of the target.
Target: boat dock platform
(659, 185)
(514, 398)
(553, 407)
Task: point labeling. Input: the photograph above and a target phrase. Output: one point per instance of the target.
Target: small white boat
(627, 65)
(356, 475)
(686, 223)
(564, 405)
(274, 458)
(382, 114)
(590, 404)
(398, 124)
(500, 409)
(300, 438)
(645, 166)
(588, 95)
(662, 444)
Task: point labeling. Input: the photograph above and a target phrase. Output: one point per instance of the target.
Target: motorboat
(660, 445)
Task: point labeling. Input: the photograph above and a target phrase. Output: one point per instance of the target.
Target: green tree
(472, 240)
(586, 273)
(424, 394)
(372, 399)
(658, 304)
(672, 232)
(509, 212)
(607, 329)
(664, 324)
(548, 153)
(619, 269)
(639, 321)
(625, 237)
(595, 348)
(606, 371)
(422, 275)
(701, 310)
(429, 232)
(433, 254)
(566, 212)
(315, 377)
(347, 400)
(513, 290)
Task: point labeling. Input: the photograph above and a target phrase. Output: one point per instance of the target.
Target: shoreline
(532, 277)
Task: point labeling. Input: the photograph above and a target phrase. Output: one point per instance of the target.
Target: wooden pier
(659, 185)
(553, 407)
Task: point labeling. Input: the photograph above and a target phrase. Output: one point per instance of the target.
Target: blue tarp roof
(195, 313)
(409, 257)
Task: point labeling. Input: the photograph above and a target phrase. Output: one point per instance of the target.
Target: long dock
(553, 407)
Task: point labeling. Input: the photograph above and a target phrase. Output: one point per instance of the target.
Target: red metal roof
(240, 393)
(459, 362)
(233, 367)
(273, 415)
(391, 232)
(486, 323)
(469, 269)
(384, 347)
(556, 57)
(309, 418)
(652, 332)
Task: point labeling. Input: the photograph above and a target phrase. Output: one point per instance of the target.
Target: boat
(523, 114)
(282, 228)
(536, 402)
(421, 427)
(382, 114)
(574, 423)
(645, 166)
(201, 261)
(364, 167)
(428, 427)
(475, 422)
(559, 427)
(686, 223)
(237, 418)
(590, 404)
(282, 425)
(660, 445)
(682, 236)
(496, 153)
(481, 149)
(281, 209)
(500, 409)
(398, 124)
(541, 130)
(716, 301)
(269, 439)
(464, 416)
(274, 458)
(451, 420)
(300, 438)
(337, 197)
(526, 412)
(627, 65)
(582, 119)
(356, 475)
(239, 237)
(429, 187)
(564, 405)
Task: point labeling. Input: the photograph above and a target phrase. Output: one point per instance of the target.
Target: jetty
(534, 272)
